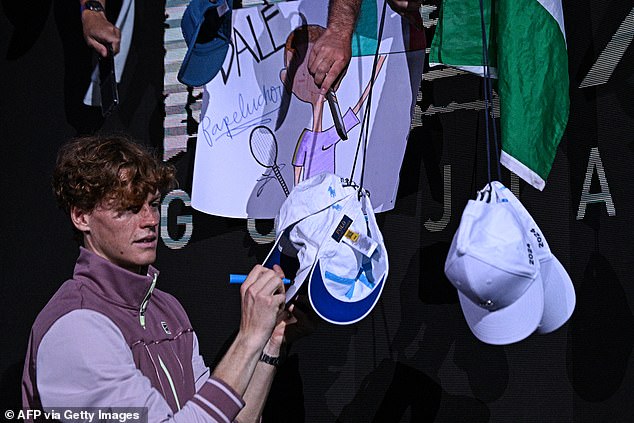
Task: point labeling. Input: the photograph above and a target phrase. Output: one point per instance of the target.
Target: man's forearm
(260, 384)
(248, 376)
(238, 364)
(257, 393)
(342, 16)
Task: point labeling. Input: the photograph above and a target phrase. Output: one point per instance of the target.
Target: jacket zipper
(145, 301)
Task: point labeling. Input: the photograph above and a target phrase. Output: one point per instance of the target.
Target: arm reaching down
(331, 53)
(98, 31)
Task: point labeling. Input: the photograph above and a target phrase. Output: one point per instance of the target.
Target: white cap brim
(509, 324)
(559, 291)
(336, 311)
(559, 295)
(327, 302)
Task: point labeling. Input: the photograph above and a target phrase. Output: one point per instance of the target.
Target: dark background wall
(413, 359)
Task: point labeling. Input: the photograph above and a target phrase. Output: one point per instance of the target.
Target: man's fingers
(274, 281)
(333, 75)
(280, 300)
(278, 286)
(326, 75)
(264, 280)
(116, 42)
(98, 47)
(282, 317)
(99, 32)
(290, 320)
(326, 84)
(290, 317)
(252, 276)
(278, 270)
(319, 70)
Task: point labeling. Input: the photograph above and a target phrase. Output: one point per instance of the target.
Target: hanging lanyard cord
(488, 99)
(364, 133)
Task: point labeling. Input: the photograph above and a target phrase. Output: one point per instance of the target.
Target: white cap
(329, 226)
(559, 292)
(491, 263)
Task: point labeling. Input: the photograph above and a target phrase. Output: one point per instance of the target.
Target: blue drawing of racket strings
(264, 150)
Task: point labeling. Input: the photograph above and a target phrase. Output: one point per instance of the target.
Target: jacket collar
(113, 282)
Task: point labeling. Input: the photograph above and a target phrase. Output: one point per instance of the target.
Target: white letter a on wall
(603, 196)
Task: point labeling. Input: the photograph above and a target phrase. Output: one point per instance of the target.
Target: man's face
(127, 238)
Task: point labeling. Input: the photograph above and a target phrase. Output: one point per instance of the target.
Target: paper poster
(263, 129)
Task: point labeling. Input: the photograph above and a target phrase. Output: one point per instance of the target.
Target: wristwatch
(273, 361)
(93, 5)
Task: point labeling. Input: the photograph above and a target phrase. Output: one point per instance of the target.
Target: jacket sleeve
(83, 361)
(201, 371)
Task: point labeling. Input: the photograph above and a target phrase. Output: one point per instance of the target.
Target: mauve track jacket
(108, 338)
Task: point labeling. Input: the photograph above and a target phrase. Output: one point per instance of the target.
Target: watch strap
(93, 5)
(273, 361)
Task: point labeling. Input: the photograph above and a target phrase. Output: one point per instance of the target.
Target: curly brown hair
(94, 169)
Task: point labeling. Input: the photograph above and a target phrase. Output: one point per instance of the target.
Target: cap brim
(202, 62)
(335, 311)
(559, 295)
(509, 324)
(288, 264)
(559, 292)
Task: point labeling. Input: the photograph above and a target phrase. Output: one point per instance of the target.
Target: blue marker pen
(235, 278)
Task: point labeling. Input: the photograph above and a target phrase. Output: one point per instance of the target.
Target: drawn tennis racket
(264, 150)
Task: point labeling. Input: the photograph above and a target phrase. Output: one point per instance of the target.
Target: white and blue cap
(559, 292)
(328, 224)
(492, 264)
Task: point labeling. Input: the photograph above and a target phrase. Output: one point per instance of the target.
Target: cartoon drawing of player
(315, 150)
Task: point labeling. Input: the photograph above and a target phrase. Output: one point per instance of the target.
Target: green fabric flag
(528, 55)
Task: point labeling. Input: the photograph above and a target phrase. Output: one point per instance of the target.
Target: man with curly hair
(109, 338)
